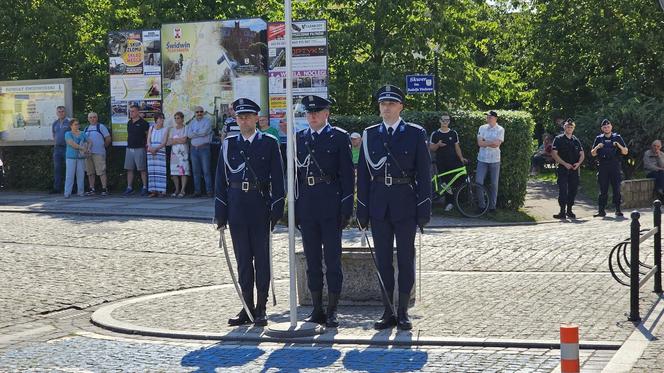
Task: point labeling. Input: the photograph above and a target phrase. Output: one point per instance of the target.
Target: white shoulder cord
(236, 170)
(370, 163)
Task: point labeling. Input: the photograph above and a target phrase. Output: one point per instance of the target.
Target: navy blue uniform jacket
(235, 206)
(410, 158)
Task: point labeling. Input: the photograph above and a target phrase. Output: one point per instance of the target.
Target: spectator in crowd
(542, 156)
(179, 143)
(95, 164)
(58, 129)
(200, 133)
(445, 143)
(608, 147)
(231, 128)
(264, 127)
(489, 138)
(157, 137)
(2, 173)
(78, 148)
(356, 144)
(137, 132)
(653, 162)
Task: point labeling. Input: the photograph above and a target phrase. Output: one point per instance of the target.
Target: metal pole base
(301, 329)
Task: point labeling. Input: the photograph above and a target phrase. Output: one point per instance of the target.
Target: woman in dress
(179, 156)
(157, 136)
(77, 148)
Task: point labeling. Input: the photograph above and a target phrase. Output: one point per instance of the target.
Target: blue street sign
(420, 83)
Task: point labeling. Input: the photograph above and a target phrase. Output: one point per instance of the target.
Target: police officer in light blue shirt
(249, 197)
(324, 203)
(394, 195)
(608, 147)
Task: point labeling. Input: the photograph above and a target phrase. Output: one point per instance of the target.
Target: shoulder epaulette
(373, 126)
(415, 125)
(340, 129)
(269, 135)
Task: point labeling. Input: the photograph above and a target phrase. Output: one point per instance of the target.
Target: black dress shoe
(619, 213)
(560, 215)
(332, 302)
(403, 322)
(317, 315)
(386, 321)
(261, 317)
(240, 319)
(600, 213)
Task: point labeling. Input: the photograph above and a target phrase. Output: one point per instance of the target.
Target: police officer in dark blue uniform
(394, 194)
(608, 147)
(568, 153)
(249, 196)
(324, 203)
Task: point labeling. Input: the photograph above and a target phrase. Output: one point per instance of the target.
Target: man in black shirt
(568, 152)
(445, 142)
(135, 156)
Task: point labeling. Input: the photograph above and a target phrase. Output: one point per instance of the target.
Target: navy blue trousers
(568, 184)
(321, 239)
(251, 247)
(609, 174)
(384, 232)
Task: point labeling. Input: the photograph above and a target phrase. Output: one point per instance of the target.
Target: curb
(103, 318)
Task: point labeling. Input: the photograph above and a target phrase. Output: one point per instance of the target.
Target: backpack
(98, 129)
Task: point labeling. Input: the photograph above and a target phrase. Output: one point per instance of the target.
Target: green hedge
(515, 151)
(31, 168)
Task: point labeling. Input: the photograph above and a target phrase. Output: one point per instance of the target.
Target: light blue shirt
(200, 131)
(72, 153)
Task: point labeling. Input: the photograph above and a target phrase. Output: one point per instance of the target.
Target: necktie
(247, 143)
(390, 131)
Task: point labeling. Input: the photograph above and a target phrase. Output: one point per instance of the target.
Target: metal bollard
(658, 246)
(635, 235)
(569, 348)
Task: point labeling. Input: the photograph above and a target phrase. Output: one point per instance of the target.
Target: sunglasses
(198, 112)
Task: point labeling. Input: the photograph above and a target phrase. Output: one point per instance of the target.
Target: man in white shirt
(489, 138)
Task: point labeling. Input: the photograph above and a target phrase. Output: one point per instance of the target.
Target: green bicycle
(470, 198)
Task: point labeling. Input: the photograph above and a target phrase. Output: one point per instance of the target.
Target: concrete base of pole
(301, 329)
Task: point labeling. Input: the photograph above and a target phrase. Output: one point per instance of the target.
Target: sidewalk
(540, 203)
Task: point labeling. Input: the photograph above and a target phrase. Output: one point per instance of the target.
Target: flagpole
(293, 329)
(290, 158)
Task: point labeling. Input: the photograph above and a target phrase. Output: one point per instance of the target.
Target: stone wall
(637, 193)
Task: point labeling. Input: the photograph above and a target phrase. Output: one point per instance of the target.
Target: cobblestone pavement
(502, 282)
(81, 354)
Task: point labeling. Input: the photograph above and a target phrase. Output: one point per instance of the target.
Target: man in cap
(489, 138)
(568, 153)
(324, 203)
(356, 144)
(394, 194)
(249, 197)
(608, 147)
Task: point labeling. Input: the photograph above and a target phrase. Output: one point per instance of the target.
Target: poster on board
(135, 74)
(310, 69)
(28, 110)
(211, 64)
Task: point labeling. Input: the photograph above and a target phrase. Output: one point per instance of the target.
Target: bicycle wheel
(472, 199)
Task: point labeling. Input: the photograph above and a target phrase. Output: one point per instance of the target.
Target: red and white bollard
(569, 348)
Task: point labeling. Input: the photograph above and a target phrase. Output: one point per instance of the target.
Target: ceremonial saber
(222, 244)
(380, 278)
(419, 265)
(274, 295)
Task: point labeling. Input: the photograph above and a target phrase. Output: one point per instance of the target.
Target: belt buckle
(388, 180)
(245, 186)
(311, 181)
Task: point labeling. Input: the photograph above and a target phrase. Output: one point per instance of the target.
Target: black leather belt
(247, 185)
(313, 180)
(389, 180)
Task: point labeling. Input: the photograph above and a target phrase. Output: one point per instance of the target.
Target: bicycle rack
(632, 267)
